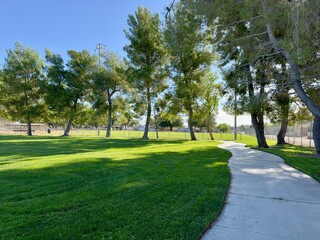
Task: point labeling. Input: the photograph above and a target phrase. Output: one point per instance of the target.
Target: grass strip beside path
(301, 158)
(90, 188)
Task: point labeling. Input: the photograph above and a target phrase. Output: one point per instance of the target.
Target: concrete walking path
(267, 200)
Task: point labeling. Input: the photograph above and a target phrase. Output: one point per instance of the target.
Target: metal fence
(299, 134)
(86, 132)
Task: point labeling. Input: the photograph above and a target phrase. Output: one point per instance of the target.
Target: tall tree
(289, 28)
(108, 80)
(67, 84)
(21, 92)
(208, 104)
(303, 49)
(147, 55)
(188, 44)
(243, 48)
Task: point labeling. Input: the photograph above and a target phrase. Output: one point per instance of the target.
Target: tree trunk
(146, 128)
(170, 128)
(256, 119)
(67, 130)
(258, 125)
(73, 113)
(210, 132)
(284, 124)
(294, 72)
(157, 134)
(29, 129)
(190, 120)
(316, 134)
(109, 126)
(283, 131)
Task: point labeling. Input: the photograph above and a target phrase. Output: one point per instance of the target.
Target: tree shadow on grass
(155, 196)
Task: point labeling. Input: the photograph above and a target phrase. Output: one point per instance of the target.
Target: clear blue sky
(61, 25)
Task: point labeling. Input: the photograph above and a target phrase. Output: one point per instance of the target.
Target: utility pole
(100, 49)
(235, 110)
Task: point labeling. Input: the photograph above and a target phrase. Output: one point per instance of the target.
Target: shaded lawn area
(301, 158)
(85, 188)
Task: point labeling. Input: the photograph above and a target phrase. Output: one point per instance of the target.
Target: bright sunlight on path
(268, 200)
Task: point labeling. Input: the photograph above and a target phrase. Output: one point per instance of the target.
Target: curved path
(267, 200)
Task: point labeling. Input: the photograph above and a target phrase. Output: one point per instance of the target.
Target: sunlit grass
(124, 134)
(251, 141)
(301, 158)
(92, 188)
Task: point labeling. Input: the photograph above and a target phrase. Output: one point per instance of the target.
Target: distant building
(183, 130)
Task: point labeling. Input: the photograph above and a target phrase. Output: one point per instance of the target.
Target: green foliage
(223, 128)
(147, 69)
(77, 188)
(123, 114)
(173, 121)
(209, 101)
(22, 76)
(301, 114)
(108, 80)
(165, 111)
(235, 90)
(67, 84)
(190, 57)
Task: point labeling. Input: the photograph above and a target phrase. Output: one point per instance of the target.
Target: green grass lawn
(92, 188)
(124, 134)
(296, 156)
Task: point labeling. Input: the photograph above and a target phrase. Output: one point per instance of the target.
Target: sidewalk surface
(267, 200)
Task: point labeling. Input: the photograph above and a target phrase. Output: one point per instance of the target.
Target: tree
(209, 102)
(281, 101)
(288, 28)
(305, 47)
(172, 120)
(188, 44)
(21, 92)
(223, 128)
(67, 84)
(162, 107)
(108, 79)
(147, 67)
(244, 50)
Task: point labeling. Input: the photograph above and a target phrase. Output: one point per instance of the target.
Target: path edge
(210, 224)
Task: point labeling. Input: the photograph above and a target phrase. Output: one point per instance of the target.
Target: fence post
(295, 134)
(309, 132)
(301, 132)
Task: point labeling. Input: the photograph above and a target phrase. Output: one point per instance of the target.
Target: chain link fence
(101, 133)
(299, 134)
